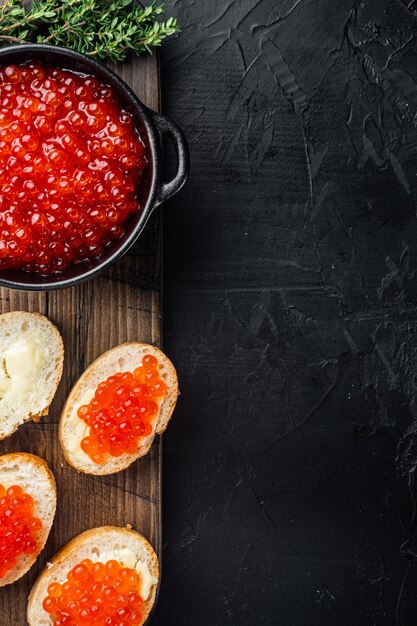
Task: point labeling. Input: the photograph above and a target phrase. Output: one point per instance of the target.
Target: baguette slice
(34, 476)
(123, 358)
(94, 544)
(42, 374)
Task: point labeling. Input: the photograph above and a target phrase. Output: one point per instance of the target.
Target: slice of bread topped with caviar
(116, 408)
(27, 510)
(31, 361)
(106, 575)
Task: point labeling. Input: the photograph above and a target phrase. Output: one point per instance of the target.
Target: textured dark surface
(291, 312)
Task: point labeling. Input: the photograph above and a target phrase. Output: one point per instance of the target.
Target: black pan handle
(172, 130)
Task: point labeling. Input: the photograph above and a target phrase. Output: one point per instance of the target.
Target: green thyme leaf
(107, 30)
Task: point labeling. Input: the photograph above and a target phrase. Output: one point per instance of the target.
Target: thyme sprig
(94, 27)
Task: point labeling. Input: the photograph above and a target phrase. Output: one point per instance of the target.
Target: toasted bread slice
(34, 476)
(123, 358)
(31, 361)
(99, 544)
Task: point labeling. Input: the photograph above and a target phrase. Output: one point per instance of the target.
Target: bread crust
(42, 467)
(83, 384)
(71, 548)
(4, 318)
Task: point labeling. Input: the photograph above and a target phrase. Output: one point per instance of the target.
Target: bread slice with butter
(33, 475)
(128, 547)
(31, 362)
(72, 429)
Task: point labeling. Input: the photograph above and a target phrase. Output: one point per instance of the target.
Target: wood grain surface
(122, 305)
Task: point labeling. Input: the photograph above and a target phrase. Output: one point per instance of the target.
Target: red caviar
(70, 162)
(96, 595)
(122, 411)
(19, 528)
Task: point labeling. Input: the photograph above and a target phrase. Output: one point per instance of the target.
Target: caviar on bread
(27, 509)
(106, 575)
(31, 361)
(116, 408)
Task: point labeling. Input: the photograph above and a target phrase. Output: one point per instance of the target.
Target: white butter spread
(127, 558)
(21, 364)
(78, 429)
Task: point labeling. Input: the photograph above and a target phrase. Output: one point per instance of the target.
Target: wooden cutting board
(122, 305)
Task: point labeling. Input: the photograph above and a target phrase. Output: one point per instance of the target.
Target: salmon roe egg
(19, 528)
(123, 411)
(99, 594)
(71, 162)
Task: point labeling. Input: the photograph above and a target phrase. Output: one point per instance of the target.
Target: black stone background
(291, 312)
